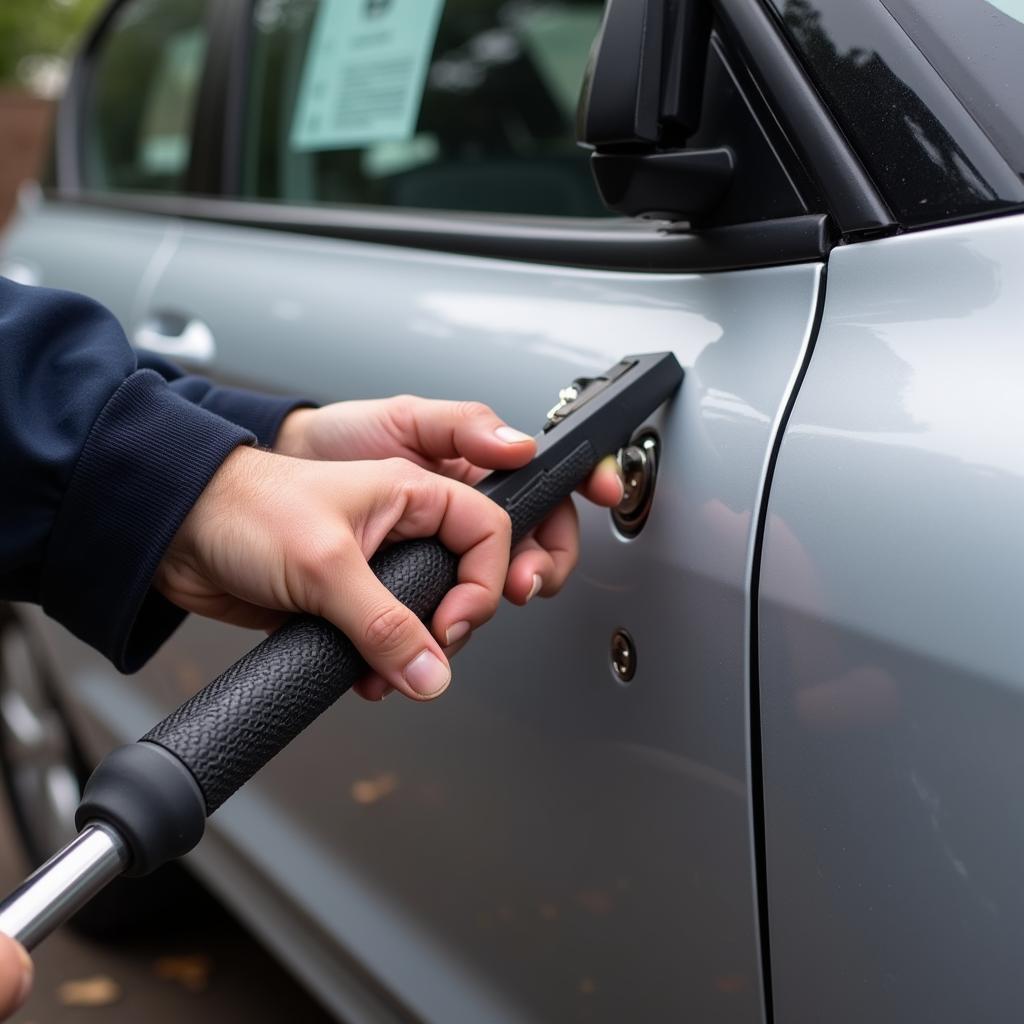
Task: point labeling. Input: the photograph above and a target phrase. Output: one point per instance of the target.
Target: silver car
(762, 759)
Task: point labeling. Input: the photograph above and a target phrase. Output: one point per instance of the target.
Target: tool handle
(237, 723)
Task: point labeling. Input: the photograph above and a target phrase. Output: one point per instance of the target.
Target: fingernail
(613, 463)
(455, 633)
(535, 589)
(511, 436)
(25, 987)
(427, 675)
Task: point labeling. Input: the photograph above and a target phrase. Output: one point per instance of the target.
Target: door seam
(755, 777)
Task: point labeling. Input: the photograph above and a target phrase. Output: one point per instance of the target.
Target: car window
(457, 105)
(977, 46)
(141, 101)
(858, 57)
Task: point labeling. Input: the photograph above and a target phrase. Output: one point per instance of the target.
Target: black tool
(147, 802)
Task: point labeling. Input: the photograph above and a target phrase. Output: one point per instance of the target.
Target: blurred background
(200, 965)
(37, 38)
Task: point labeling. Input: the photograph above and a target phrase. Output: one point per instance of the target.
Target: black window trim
(558, 241)
(621, 245)
(849, 193)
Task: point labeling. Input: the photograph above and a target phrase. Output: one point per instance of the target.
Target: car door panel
(543, 843)
(890, 641)
(101, 253)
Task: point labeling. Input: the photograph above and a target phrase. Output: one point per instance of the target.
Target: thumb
(388, 635)
(15, 975)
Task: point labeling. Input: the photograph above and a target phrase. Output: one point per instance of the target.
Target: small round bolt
(623, 655)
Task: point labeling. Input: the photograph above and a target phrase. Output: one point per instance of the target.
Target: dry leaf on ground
(369, 791)
(100, 990)
(191, 972)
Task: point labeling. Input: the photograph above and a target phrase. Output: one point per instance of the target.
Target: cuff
(147, 459)
(262, 414)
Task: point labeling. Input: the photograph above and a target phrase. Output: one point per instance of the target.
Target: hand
(461, 440)
(271, 535)
(15, 976)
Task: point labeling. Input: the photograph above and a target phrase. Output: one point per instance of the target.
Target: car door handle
(169, 334)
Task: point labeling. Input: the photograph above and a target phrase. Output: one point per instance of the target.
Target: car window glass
(457, 105)
(142, 98)
(858, 57)
(977, 46)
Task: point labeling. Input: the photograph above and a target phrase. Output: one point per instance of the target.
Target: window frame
(854, 208)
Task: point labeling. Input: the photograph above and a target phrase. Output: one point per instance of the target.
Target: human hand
(461, 440)
(271, 535)
(15, 976)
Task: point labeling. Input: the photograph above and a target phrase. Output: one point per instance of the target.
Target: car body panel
(890, 641)
(100, 253)
(548, 843)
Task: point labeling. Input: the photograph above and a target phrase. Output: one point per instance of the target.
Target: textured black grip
(537, 500)
(236, 724)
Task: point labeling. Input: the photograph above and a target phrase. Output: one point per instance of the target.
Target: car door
(547, 842)
(890, 591)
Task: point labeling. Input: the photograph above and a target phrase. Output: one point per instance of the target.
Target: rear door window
(457, 105)
(141, 101)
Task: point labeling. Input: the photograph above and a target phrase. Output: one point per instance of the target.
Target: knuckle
(472, 410)
(501, 519)
(388, 629)
(402, 468)
(319, 555)
(401, 408)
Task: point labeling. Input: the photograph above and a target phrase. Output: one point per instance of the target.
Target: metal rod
(64, 884)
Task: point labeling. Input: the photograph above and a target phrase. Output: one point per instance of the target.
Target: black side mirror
(641, 100)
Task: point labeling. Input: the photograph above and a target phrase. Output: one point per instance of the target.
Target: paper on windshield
(365, 72)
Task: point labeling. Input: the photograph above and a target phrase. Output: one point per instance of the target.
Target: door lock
(623, 656)
(638, 462)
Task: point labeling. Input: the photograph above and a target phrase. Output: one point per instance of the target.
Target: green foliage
(33, 29)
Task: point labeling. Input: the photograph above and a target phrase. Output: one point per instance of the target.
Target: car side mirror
(641, 99)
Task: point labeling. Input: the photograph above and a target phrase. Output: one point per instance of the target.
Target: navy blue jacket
(101, 459)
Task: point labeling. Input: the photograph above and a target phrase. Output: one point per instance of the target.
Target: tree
(37, 38)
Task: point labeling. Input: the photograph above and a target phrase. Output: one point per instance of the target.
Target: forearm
(101, 462)
(259, 413)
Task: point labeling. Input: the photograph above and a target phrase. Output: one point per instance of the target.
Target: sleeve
(262, 414)
(100, 462)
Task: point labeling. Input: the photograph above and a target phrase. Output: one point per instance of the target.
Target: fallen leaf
(100, 990)
(369, 791)
(730, 984)
(597, 901)
(191, 972)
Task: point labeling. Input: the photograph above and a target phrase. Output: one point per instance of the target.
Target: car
(761, 759)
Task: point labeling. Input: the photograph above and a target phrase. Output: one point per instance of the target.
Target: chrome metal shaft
(64, 884)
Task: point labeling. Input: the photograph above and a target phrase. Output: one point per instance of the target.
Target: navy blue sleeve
(262, 414)
(99, 464)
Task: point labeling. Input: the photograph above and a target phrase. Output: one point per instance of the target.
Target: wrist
(293, 433)
(226, 493)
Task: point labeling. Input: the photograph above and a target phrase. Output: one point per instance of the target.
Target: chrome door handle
(191, 341)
